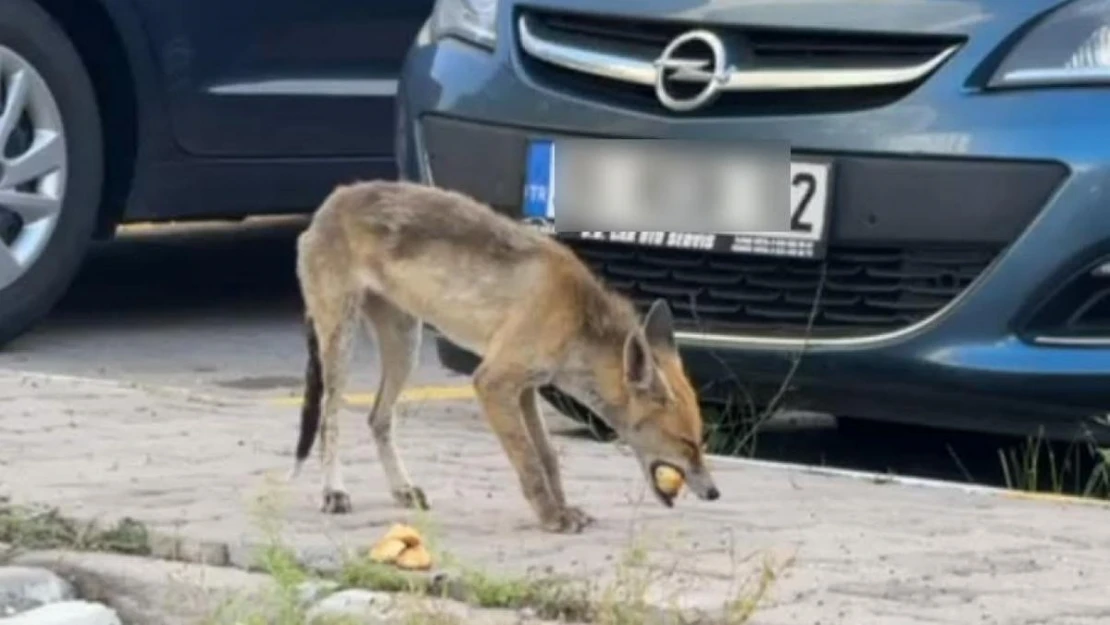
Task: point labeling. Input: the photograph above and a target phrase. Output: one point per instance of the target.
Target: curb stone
(146, 591)
(142, 599)
(313, 591)
(367, 607)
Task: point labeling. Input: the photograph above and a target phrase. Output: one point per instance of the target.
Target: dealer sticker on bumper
(708, 197)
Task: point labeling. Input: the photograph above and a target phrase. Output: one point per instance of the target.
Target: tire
(31, 287)
(458, 360)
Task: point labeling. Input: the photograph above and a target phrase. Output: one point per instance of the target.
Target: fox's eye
(692, 448)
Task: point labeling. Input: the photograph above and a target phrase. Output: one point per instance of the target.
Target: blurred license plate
(749, 199)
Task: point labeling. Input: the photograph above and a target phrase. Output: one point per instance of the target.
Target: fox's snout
(694, 476)
(702, 485)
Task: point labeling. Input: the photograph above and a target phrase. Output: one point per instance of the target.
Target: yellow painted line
(416, 394)
(1055, 497)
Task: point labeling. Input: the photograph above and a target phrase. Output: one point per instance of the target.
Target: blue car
(947, 261)
(115, 111)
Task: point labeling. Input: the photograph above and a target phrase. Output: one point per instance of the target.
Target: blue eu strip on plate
(538, 193)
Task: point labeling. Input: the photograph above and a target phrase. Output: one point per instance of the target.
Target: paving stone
(864, 551)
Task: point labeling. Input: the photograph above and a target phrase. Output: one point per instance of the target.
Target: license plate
(804, 202)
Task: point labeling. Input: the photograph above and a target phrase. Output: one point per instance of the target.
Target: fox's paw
(336, 502)
(579, 516)
(569, 520)
(411, 497)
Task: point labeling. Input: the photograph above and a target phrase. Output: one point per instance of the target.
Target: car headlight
(1070, 46)
(471, 20)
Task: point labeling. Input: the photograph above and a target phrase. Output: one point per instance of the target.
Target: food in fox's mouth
(668, 480)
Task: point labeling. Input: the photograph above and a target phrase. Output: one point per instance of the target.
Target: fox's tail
(313, 393)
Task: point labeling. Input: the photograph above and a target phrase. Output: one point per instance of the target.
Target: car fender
(154, 133)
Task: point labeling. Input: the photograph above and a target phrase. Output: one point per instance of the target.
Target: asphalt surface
(215, 307)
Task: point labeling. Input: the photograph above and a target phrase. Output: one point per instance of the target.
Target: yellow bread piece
(668, 480)
(414, 559)
(405, 534)
(387, 551)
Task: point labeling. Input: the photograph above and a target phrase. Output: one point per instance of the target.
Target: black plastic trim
(877, 199)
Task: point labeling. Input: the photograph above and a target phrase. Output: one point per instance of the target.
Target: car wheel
(51, 164)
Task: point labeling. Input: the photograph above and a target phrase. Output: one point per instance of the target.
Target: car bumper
(938, 169)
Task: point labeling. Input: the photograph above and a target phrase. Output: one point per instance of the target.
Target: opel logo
(697, 56)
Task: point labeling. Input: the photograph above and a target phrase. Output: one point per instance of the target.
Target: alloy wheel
(33, 165)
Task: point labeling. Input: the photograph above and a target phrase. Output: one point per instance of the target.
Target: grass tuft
(1080, 468)
(28, 528)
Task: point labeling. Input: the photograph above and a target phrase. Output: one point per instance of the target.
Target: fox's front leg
(549, 458)
(499, 391)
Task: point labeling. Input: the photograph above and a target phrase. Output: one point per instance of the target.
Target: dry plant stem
(796, 359)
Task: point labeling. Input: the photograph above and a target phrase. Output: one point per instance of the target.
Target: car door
(282, 78)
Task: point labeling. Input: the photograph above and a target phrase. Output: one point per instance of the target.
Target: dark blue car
(125, 110)
(948, 258)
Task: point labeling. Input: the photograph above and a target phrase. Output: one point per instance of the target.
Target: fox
(399, 255)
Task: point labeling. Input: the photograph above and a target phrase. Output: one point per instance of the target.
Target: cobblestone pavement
(865, 551)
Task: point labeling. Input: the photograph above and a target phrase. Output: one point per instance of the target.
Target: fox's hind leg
(331, 308)
(335, 335)
(398, 337)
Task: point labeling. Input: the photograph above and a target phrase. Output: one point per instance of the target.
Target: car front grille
(865, 290)
(759, 47)
(783, 47)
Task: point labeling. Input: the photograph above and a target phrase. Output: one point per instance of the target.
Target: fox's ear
(639, 367)
(659, 325)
